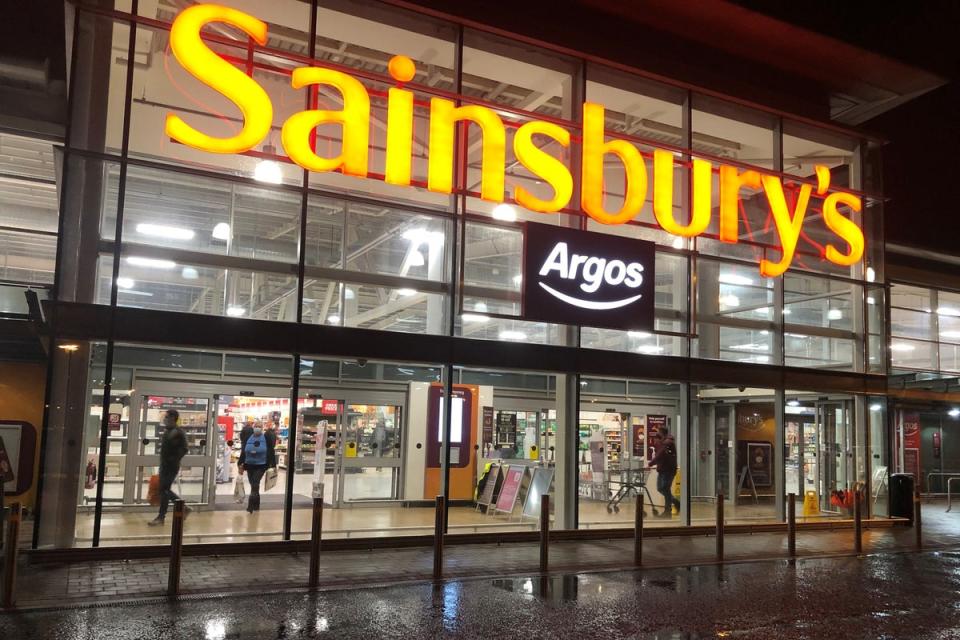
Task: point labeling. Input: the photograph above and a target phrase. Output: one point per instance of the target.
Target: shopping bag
(153, 490)
(270, 479)
(239, 491)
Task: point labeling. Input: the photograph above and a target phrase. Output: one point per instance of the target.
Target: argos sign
(251, 99)
(587, 278)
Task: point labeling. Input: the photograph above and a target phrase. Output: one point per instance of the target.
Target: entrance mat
(266, 503)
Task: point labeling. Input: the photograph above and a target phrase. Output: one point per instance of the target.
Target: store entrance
(194, 483)
(819, 449)
(350, 451)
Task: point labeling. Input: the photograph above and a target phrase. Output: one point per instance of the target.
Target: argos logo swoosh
(590, 304)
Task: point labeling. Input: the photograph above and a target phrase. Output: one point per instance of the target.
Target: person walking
(665, 461)
(173, 446)
(257, 454)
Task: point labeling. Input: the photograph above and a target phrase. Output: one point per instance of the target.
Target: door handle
(146, 441)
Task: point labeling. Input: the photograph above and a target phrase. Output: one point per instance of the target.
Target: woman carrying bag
(257, 454)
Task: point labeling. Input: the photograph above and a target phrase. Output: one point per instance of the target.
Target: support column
(567, 437)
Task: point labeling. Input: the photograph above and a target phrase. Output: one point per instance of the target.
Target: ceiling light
(876, 407)
(793, 403)
(900, 346)
(348, 294)
(835, 314)
(953, 413)
(475, 317)
(649, 348)
(236, 312)
(419, 235)
(504, 212)
(221, 231)
(481, 307)
(189, 273)
(733, 278)
(871, 300)
(678, 243)
(406, 292)
(268, 171)
(151, 263)
(333, 319)
(163, 231)
(125, 283)
(871, 274)
(513, 335)
(752, 346)
(69, 348)
(416, 259)
(639, 334)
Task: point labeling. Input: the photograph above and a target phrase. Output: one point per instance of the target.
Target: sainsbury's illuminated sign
(354, 120)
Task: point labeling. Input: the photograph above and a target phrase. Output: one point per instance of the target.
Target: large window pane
(180, 211)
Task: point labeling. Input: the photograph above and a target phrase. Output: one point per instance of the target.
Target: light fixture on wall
(221, 231)
(150, 263)
(267, 170)
(505, 212)
(953, 413)
(164, 231)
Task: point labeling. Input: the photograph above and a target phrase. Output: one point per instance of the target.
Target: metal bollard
(638, 532)
(316, 533)
(917, 528)
(10, 555)
(544, 532)
(857, 522)
(720, 527)
(176, 549)
(792, 524)
(439, 519)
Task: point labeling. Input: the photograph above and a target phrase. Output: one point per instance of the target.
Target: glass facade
(175, 239)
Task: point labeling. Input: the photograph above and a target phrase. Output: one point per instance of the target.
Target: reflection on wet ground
(882, 596)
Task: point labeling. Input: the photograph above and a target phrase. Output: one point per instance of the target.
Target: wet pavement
(890, 595)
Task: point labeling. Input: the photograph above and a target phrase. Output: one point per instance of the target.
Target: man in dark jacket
(665, 462)
(173, 446)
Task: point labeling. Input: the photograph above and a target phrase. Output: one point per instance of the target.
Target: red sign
(510, 489)
(653, 434)
(911, 446)
(329, 407)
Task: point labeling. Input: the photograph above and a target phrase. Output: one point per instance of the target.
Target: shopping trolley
(633, 480)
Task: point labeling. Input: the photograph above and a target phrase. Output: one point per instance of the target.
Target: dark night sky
(922, 159)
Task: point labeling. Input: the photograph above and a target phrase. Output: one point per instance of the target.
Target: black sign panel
(586, 278)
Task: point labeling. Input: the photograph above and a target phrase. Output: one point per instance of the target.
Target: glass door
(369, 448)
(833, 433)
(194, 482)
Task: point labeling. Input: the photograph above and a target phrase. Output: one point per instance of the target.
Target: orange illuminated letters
(530, 145)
